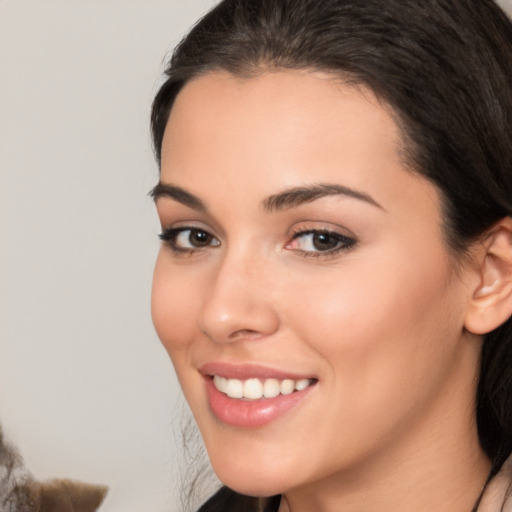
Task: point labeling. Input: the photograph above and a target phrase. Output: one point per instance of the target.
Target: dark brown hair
(445, 68)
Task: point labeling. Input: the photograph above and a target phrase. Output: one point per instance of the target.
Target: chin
(262, 487)
(262, 477)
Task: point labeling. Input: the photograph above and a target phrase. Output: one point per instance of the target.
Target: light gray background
(86, 391)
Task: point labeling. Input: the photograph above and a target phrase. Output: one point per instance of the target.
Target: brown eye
(324, 241)
(198, 238)
(189, 239)
(320, 242)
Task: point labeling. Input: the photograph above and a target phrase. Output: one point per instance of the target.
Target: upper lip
(248, 371)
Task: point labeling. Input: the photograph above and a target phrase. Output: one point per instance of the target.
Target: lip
(248, 371)
(250, 413)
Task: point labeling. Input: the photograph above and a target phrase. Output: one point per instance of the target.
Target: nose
(238, 304)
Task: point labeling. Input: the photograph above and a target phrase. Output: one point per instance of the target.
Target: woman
(334, 286)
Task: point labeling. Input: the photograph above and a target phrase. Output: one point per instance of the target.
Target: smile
(256, 389)
(251, 396)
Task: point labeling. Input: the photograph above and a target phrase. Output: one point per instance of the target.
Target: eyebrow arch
(178, 194)
(300, 195)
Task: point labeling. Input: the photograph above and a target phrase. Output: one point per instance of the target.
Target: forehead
(283, 129)
(276, 111)
(293, 96)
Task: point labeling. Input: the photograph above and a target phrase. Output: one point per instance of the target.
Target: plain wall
(86, 391)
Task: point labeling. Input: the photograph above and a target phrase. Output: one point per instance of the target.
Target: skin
(390, 425)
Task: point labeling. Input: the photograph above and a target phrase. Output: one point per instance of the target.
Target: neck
(425, 484)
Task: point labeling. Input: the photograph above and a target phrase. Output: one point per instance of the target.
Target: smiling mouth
(257, 389)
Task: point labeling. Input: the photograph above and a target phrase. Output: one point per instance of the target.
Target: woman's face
(305, 268)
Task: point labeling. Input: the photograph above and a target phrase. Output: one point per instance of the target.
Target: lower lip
(251, 413)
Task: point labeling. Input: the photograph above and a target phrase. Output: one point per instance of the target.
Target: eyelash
(169, 236)
(343, 242)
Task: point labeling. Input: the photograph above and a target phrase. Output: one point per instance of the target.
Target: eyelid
(319, 226)
(343, 239)
(174, 215)
(346, 240)
(170, 234)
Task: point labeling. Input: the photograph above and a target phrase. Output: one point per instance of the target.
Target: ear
(491, 303)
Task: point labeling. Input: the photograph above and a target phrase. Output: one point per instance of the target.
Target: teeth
(287, 387)
(271, 388)
(302, 384)
(220, 383)
(255, 389)
(235, 388)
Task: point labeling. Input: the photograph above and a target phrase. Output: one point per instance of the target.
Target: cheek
(383, 327)
(388, 337)
(172, 306)
(173, 303)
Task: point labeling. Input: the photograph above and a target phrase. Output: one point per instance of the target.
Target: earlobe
(491, 303)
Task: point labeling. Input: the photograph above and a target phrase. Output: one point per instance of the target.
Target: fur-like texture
(20, 492)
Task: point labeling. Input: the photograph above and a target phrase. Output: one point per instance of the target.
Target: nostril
(245, 334)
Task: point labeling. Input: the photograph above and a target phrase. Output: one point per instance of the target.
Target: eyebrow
(178, 194)
(297, 196)
(285, 200)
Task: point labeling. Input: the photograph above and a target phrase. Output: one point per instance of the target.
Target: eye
(320, 242)
(188, 239)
